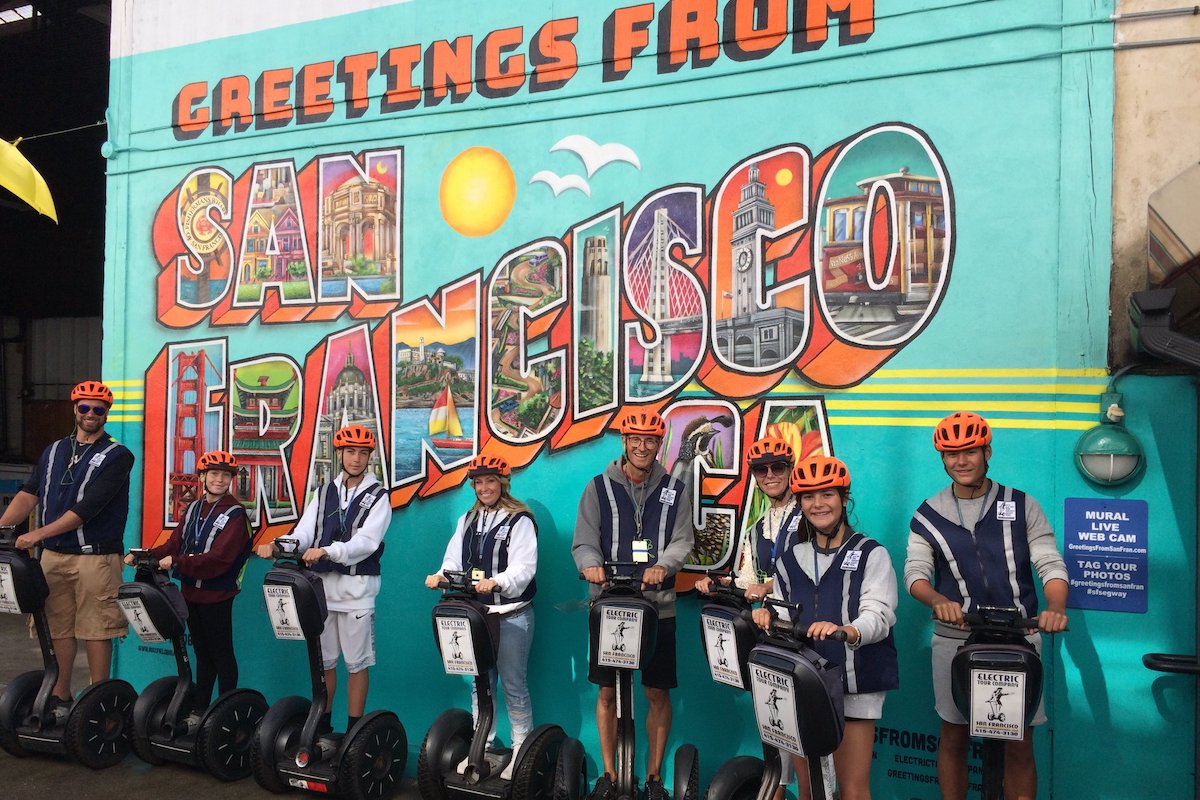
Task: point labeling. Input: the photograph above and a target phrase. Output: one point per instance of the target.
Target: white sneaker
(462, 765)
(506, 773)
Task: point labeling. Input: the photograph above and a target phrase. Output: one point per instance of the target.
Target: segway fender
(687, 773)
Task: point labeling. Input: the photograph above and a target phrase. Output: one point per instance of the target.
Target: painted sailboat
(443, 419)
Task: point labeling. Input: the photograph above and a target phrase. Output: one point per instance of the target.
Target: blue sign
(1106, 552)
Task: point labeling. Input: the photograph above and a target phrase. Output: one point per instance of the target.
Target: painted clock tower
(754, 212)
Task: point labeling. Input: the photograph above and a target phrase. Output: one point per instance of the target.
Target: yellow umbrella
(19, 177)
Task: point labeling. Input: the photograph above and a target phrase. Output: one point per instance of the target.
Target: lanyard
(482, 529)
(199, 527)
(341, 511)
(975, 539)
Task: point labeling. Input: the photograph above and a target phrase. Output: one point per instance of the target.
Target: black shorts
(658, 674)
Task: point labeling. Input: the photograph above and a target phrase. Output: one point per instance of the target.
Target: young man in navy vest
(341, 534)
(959, 549)
(634, 505)
(81, 491)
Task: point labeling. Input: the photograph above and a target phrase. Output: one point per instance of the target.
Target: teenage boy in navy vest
(635, 506)
(341, 534)
(81, 491)
(960, 544)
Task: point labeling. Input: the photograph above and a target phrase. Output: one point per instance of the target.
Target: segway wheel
(374, 760)
(227, 732)
(570, 776)
(148, 713)
(446, 744)
(100, 724)
(279, 727)
(737, 779)
(687, 773)
(534, 777)
(16, 703)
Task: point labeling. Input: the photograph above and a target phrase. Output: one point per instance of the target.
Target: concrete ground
(44, 777)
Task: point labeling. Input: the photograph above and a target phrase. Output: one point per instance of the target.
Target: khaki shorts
(83, 596)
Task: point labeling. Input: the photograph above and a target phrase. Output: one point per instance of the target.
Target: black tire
(445, 745)
(687, 773)
(148, 713)
(281, 724)
(100, 724)
(570, 775)
(737, 779)
(227, 734)
(373, 762)
(534, 776)
(15, 705)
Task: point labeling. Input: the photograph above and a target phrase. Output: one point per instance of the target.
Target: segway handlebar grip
(8, 537)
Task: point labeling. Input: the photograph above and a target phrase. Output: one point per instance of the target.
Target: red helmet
(354, 436)
(488, 465)
(769, 450)
(820, 472)
(643, 423)
(217, 459)
(962, 430)
(92, 390)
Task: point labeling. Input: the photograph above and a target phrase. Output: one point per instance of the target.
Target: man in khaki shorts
(81, 492)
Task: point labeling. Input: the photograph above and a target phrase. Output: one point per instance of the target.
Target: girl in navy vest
(843, 581)
(496, 540)
(341, 534)
(208, 551)
(770, 460)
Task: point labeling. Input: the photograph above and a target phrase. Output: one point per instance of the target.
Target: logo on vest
(667, 497)
(850, 563)
(96, 460)
(1006, 510)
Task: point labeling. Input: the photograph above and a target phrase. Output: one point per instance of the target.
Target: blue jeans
(512, 662)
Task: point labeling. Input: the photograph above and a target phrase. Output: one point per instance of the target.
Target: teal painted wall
(1014, 101)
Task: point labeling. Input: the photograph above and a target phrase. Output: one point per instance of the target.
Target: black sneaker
(655, 790)
(604, 789)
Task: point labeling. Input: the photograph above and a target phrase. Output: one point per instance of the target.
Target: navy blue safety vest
(333, 529)
(64, 485)
(199, 534)
(870, 668)
(990, 567)
(488, 550)
(619, 528)
(766, 552)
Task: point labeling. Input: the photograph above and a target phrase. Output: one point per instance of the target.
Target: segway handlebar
(143, 560)
(8, 537)
(999, 619)
(286, 549)
(793, 630)
(456, 582)
(616, 579)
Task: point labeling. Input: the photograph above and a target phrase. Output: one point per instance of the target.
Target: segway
(460, 627)
(996, 681)
(93, 728)
(168, 724)
(623, 626)
(289, 751)
(797, 695)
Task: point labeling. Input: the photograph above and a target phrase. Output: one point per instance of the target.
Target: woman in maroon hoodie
(208, 550)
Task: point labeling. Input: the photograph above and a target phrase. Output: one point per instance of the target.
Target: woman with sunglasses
(770, 460)
(842, 581)
(496, 540)
(207, 551)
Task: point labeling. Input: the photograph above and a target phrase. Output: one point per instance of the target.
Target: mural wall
(492, 228)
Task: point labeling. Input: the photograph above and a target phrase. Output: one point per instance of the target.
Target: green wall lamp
(1108, 454)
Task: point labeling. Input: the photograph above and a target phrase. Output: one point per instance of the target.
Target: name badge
(367, 501)
(1006, 510)
(96, 460)
(850, 562)
(641, 551)
(667, 497)
(502, 533)
(221, 520)
(476, 576)
(794, 525)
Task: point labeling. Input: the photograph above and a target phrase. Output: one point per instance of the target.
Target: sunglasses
(84, 408)
(775, 468)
